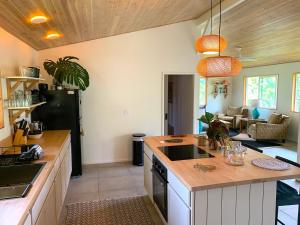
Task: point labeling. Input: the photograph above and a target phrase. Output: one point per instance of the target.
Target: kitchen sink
(16, 180)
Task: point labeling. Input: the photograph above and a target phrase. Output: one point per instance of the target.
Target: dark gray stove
(184, 152)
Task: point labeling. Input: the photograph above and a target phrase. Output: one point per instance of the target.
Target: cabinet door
(28, 220)
(178, 212)
(50, 207)
(48, 213)
(148, 176)
(58, 193)
(64, 177)
(41, 220)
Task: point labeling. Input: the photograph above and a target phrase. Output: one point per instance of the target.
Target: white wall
(285, 72)
(14, 53)
(299, 142)
(218, 104)
(125, 94)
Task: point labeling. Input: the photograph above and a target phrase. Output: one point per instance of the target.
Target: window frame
(206, 89)
(294, 80)
(259, 76)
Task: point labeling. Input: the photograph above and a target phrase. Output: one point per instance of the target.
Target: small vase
(255, 113)
(213, 144)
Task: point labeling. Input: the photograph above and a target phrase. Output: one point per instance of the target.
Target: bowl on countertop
(35, 135)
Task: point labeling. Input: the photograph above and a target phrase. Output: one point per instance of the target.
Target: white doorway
(178, 104)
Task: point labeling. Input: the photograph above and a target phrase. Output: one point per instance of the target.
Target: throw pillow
(232, 111)
(275, 118)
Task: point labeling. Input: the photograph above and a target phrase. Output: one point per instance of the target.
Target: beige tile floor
(107, 181)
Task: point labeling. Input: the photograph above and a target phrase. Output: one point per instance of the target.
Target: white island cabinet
(147, 171)
(227, 195)
(251, 204)
(178, 212)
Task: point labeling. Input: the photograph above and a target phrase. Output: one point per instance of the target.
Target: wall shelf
(26, 107)
(12, 83)
(20, 78)
(15, 112)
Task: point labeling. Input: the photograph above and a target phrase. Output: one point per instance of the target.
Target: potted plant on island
(67, 71)
(217, 131)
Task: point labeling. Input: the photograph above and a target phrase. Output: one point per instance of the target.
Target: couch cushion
(226, 118)
(232, 111)
(275, 118)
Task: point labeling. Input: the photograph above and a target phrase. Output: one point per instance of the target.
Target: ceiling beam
(204, 20)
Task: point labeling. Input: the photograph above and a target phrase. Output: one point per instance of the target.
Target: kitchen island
(228, 195)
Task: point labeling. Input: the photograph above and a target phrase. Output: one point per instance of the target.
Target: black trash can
(138, 149)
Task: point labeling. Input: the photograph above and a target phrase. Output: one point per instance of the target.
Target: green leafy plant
(217, 130)
(207, 118)
(69, 71)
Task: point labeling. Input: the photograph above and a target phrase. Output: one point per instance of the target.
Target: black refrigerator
(62, 112)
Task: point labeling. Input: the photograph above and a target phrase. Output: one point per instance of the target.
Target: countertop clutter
(223, 175)
(28, 210)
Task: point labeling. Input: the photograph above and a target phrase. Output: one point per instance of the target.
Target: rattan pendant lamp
(219, 66)
(210, 44)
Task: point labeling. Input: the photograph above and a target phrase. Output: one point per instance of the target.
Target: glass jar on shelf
(27, 98)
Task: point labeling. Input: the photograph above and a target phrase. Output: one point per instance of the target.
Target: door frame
(196, 92)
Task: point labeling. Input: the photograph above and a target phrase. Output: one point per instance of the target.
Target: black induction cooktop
(184, 152)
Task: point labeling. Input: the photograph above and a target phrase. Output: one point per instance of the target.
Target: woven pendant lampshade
(209, 44)
(219, 66)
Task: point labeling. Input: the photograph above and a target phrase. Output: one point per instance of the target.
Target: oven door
(160, 193)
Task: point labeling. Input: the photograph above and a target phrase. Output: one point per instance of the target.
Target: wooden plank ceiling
(268, 30)
(82, 20)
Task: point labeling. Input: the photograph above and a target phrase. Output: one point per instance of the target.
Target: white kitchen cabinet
(62, 181)
(48, 206)
(178, 212)
(148, 176)
(48, 212)
(28, 220)
(58, 194)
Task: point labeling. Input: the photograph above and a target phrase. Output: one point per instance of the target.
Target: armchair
(234, 115)
(269, 131)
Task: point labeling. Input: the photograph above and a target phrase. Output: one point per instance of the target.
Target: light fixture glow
(53, 35)
(38, 19)
(219, 66)
(209, 44)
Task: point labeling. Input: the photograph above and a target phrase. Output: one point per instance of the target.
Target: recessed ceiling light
(53, 35)
(38, 19)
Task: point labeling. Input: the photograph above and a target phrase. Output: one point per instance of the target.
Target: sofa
(233, 115)
(275, 129)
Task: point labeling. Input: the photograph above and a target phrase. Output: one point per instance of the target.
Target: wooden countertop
(14, 211)
(224, 175)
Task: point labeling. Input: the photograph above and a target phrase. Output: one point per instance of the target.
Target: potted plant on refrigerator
(67, 71)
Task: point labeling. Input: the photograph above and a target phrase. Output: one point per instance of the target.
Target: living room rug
(125, 211)
(233, 132)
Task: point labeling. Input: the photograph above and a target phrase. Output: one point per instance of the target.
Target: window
(202, 91)
(296, 93)
(261, 89)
